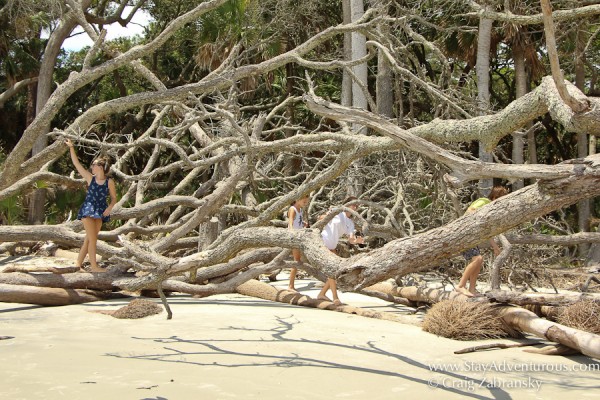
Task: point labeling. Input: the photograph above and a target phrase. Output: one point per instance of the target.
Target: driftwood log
(39, 268)
(541, 299)
(495, 346)
(45, 296)
(553, 350)
(267, 292)
(373, 292)
(526, 321)
(516, 317)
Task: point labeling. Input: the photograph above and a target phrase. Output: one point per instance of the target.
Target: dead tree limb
(495, 346)
(98, 281)
(540, 299)
(559, 80)
(267, 292)
(370, 291)
(526, 321)
(45, 296)
(495, 270)
(38, 268)
(553, 350)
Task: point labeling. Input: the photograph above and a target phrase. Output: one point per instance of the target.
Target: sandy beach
(232, 346)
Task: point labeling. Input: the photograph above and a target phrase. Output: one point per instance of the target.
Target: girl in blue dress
(94, 209)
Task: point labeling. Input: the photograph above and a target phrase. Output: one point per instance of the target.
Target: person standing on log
(339, 226)
(94, 209)
(296, 221)
(473, 256)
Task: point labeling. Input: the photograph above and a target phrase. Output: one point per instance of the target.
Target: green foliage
(64, 203)
(11, 210)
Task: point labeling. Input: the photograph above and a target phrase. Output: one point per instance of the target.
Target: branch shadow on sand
(210, 349)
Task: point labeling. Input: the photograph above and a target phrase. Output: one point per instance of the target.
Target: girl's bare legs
(294, 271)
(470, 275)
(333, 287)
(83, 252)
(331, 284)
(324, 290)
(92, 228)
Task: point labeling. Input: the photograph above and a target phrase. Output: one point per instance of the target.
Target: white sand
(231, 346)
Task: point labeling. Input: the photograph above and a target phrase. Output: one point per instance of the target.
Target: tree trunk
(498, 261)
(526, 321)
(38, 268)
(584, 210)
(37, 205)
(359, 50)
(385, 87)
(484, 38)
(520, 91)
(384, 84)
(265, 291)
(346, 99)
(541, 299)
(519, 319)
(51, 296)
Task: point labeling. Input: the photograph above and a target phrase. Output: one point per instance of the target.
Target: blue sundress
(95, 201)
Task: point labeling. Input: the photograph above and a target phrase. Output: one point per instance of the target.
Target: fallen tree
(516, 317)
(46, 296)
(267, 292)
(526, 321)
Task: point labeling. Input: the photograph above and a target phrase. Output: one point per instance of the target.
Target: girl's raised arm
(85, 174)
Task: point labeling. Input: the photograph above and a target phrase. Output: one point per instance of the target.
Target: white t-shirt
(297, 223)
(339, 226)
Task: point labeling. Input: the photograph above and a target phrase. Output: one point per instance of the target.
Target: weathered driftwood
(555, 240)
(371, 291)
(38, 268)
(417, 294)
(499, 261)
(427, 295)
(97, 281)
(495, 346)
(45, 296)
(526, 321)
(542, 299)
(517, 318)
(267, 292)
(553, 350)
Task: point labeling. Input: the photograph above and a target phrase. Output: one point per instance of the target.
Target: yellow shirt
(479, 203)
